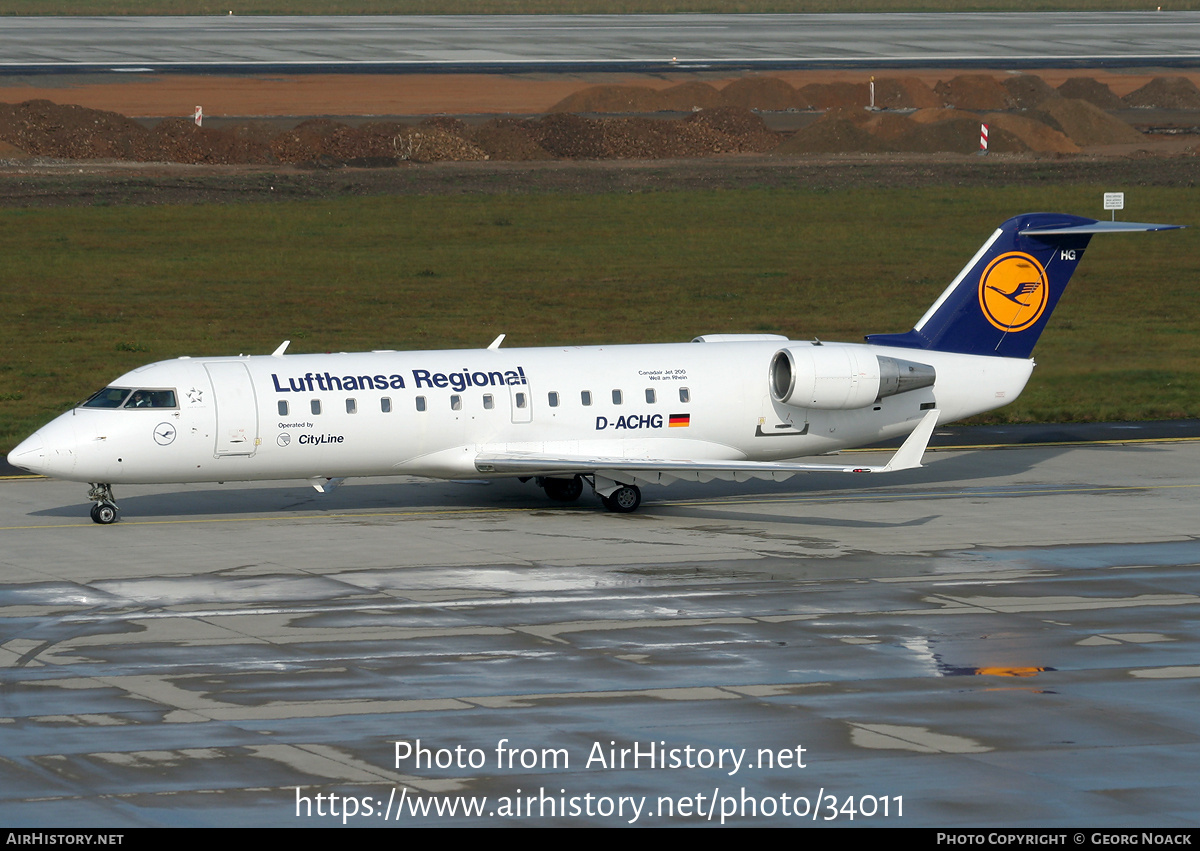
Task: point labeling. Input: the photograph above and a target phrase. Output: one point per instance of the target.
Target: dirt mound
(904, 93)
(1058, 126)
(569, 136)
(957, 135)
(46, 129)
(1085, 123)
(1035, 135)
(724, 130)
(1028, 90)
(309, 140)
(427, 144)
(641, 139)
(1165, 93)
(832, 95)
(932, 116)
(378, 142)
(509, 139)
(887, 127)
(445, 122)
(1094, 92)
(833, 134)
(732, 121)
(974, 91)
(687, 97)
(610, 99)
(180, 140)
(765, 93)
(926, 131)
(42, 128)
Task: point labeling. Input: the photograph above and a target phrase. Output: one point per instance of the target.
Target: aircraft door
(237, 410)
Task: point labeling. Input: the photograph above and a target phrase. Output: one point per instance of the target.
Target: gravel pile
(1024, 114)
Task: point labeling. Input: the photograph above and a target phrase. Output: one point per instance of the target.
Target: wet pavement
(1002, 638)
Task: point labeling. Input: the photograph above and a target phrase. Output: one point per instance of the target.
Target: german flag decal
(680, 420)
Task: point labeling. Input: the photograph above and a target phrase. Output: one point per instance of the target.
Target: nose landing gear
(105, 509)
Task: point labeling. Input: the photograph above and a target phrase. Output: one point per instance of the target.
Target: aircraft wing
(665, 470)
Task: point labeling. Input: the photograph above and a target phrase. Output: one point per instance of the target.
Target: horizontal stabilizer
(1098, 227)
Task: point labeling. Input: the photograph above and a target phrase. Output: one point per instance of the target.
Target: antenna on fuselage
(496, 343)
(278, 353)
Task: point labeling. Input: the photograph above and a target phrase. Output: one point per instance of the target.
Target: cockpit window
(109, 397)
(123, 397)
(151, 399)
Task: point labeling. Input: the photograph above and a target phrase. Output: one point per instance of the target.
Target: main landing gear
(563, 490)
(105, 509)
(623, 500)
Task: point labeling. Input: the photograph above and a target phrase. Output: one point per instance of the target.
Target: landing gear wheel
(563, 490)
(104, 513)
(104, 505)
(623, 500)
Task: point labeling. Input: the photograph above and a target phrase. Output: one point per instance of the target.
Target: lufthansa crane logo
(1013, 291)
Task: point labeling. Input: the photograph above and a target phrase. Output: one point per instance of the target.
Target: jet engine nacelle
(841, 378)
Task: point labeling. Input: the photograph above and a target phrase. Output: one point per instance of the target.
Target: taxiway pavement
(509, 43)
(1005, 637)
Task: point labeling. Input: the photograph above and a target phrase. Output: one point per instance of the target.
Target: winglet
(913, 449)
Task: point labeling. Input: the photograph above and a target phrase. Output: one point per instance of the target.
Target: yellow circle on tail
(1013, 291)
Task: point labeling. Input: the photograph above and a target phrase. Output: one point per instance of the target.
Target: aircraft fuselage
(431, 413)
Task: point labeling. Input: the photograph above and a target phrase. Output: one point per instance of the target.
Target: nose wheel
(104, 511)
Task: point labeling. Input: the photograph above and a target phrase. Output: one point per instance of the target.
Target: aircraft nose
(30, 454)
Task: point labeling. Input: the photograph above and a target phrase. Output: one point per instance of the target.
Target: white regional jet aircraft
(726, 406)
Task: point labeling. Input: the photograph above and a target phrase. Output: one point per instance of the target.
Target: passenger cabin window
(684, 395)
(420, 403)
(456, 403)
(616, 397)
(283, 407)
(521, 401)
(351, 406)
(151, 399)
(489, 401)
(650, 395)
(385, 405)
(586, 397)
(552, 398)
(315, 406)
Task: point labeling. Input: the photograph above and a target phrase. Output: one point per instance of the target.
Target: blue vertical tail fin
(1000, 302)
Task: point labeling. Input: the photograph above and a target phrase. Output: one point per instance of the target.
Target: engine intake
(842, 378)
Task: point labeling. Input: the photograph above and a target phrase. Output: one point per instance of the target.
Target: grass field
(90, 293)
(545, 7)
